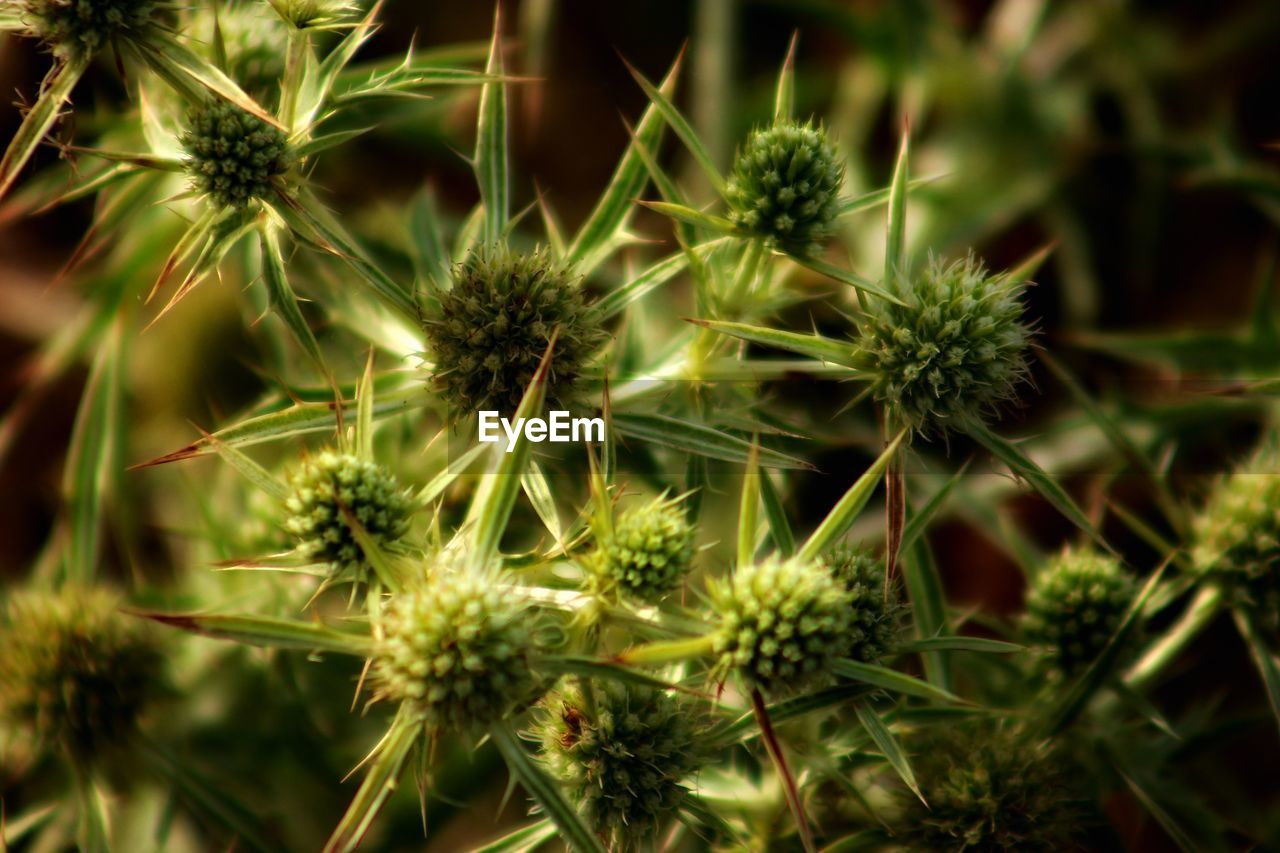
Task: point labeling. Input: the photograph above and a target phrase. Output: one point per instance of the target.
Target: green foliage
(233, 158)
(495, 322)
(954, 351)
(330, 492)
(623, 758)
(76, 674)
(1075, 607)
(781, 623)
(456, 650)
(785, 186)
(647, 553)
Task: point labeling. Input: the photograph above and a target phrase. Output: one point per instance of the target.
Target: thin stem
(774, 748)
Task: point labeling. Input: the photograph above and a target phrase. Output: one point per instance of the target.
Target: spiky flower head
(329, 491)
(1236, 539)
(456, 649)
(1076, 606)
(76, 673)
(991, 787)
(782, 622)
(621, 759)
(80, 27)
(647, 555)
(873, 618)
(233, 157)
(955, 350)
(494, 324)
(785, 185)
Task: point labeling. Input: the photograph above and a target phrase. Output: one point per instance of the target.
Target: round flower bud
(75, 673)
(329, 489)
(78, 27)
(781, 623)
(456, 650)
(873, 621)
(1236, 539)
(954, 351)
(233, 157)
(649, 551)
(785, 186)
(1075, 607)
(495, 322)
(622, 761)
(991, 787)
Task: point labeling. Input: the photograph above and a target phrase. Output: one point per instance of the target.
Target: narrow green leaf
(378, 785)
(928, 608)
(179, 66)
(749, 507)
(430, 258)
(875, 198)
(835, 696)
(686, 214)
(784, 98)
(40, 118)
(1026, 468)
(895, 246)
(544, 791)
(365, 398)
(324, 142)
(776, 512)
(266, 631)
(536, 488)
(526, 838)
(668, 651)
(603, 669)
(887, 743)
(613, 302)
(613, 211)
(250, 470)
(682, 128)
(491, 142)
(1264, 658)
(92, 455)
(697, 439)
(959, 644)
(918, 522)
(1162, 815)
(845, 512)
(816, 347)
(283, 300)
(445, 478)
(892, 680)
(852, 279)
(496, 495)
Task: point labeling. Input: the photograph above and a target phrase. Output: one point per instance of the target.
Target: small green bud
(648, 554)
(785, 186)
(233, 157)
(1236, 539)
(991, 787)
(77, 27)
(873, 621)
(456, 649)
(76, 673)
(494, 324)
(1075, 607)
(782, 623)
(326, 485)
(953, 352)
(622, 761)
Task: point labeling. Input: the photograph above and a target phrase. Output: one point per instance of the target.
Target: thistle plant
(873, 615)
(646, 552)
(234, 158)
(1075, 607)
(494, 324)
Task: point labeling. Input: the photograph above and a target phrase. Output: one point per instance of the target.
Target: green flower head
(993, 788)
(953, 352)
(781, 623)
(648, 554)
(1075, 607)
(622, 759)
(785, 186)
(233, 157)
(329, 491)
(1236, 538)
(457, 650)
(76, 673)
(77, 27)
(873, 620)
(495, 322)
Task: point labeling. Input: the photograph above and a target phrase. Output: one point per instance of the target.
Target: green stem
(670, 651)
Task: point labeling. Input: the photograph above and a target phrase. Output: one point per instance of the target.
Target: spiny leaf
(887, 744)
(40, 118)
(266, 631)
(784, 99)
(491, 142)
(682, 129)
(283, 299)
(813, 346)
(545, 791)
(848, 277)
(959, 644)
(891, 679)
(895, 247)
(378, 784)
(699, 439)
(180, 67)
(845, 512)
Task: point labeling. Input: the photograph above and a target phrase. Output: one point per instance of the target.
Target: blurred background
(1141, 140)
